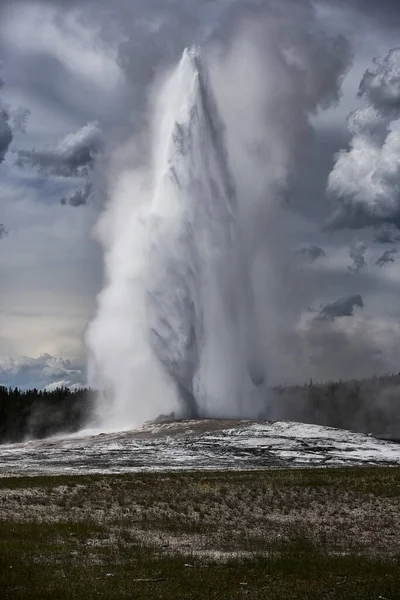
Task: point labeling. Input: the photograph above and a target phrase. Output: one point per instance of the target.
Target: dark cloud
(344, 307)
(310, 254)
(3, 231)
(365, 180)
(384, 14)
(73, 157)
(357, 254)
(80, 197)
(387, 234)
(387, 257)
(11, 120)
(387, 9)
(380, 86)
(52, 83)
(6, 134)
(308, 191)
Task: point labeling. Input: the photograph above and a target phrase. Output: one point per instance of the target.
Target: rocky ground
(204, 444)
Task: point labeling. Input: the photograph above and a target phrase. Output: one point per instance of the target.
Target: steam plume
(188, 232)
(195, 312)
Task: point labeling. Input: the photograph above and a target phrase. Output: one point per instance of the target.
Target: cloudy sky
(75, 78)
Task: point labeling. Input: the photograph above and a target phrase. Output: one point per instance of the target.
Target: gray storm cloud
(310, 254)
(386, 234)
(73, 157)
(385, 13)
(357, 254)
(6, 135)
(344, 307)
(12, 120)
(3, 231)
(365, 181)
(387, 258)
(80, 197)
(380, 86)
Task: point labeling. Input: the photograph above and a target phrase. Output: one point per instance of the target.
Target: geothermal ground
(202, 509)
(199, 445)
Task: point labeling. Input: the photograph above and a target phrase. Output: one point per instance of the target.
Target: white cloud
(46, 370)
(61, 384)
(365, 180)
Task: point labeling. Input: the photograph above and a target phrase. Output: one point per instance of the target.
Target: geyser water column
(192, 283)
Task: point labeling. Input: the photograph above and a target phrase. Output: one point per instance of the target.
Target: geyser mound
(188, 274)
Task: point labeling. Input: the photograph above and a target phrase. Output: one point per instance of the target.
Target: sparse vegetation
(297, 534)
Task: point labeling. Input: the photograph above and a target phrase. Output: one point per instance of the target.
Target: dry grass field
(280, 534)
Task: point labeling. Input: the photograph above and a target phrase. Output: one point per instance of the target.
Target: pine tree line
(369, 405)
(36, 414)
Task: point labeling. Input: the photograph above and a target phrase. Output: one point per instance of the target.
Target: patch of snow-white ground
(208, 444)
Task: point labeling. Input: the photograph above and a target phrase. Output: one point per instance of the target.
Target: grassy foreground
(292, 534)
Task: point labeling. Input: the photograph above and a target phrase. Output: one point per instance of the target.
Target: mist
(197, 301)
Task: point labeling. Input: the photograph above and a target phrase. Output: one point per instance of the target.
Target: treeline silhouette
(36, 414)
(369, 406)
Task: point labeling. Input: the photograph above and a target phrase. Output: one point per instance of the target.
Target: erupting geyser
(198, 284)
(177, 312)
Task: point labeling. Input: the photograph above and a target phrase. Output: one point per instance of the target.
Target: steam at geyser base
(175, 326)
